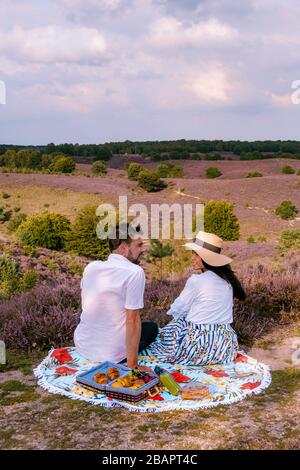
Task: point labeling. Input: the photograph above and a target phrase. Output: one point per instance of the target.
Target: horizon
(152, 141)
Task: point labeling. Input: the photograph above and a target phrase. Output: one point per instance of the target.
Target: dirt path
(31, 418)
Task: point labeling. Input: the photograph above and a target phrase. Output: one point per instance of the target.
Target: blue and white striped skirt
(187, 343)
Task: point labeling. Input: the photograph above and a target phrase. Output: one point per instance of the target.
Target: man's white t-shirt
(108, 288)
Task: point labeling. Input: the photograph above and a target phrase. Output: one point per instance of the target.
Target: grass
(21, 361)
(285, 383)
(13, 392)
(32, 199)
(7, 441)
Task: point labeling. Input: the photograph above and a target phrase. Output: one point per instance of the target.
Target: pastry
(100, 378)
(138, 383)
(126, 381)
(194, 392)
(113, 373)
(116, 385)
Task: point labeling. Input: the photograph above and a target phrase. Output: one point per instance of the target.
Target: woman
(200, 332)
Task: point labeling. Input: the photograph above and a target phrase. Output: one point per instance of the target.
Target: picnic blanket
(227, 384)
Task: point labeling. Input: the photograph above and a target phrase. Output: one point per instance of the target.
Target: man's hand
(133, 336)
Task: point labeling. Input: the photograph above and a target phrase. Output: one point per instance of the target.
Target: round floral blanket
(224, 384)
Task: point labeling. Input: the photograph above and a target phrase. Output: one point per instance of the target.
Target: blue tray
(87, 378)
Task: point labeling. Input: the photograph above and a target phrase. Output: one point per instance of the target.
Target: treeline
(32, 159)
(175, 149)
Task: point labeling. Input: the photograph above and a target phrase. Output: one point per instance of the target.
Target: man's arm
(133, 336)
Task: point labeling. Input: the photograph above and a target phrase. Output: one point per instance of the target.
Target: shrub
(213, 172)
(261, 238)
(99, 167)
(169, 170)
(156, 157)
(158, 251)
(74, 266)
(290, 239)
(220, 219)
(47, 230)
(298, 172)
(17, 209)
(150, 181)
(16, 221)
(30, 279)
(215, 156)
(9, 276)
(62, 165)
(83, 239)
(4, 215)
(43, 317)
(256, 155)
(251, 239)
(5, 195)
(253, 174)
(288, 170)
(11, 279)
(24, 158)
(133, 171)
(286, 210)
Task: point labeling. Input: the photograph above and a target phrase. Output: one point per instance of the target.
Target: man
(112, 294)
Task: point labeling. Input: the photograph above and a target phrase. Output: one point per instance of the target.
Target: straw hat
(208, 246)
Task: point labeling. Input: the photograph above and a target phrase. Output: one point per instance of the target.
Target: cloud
(210, 85)
(281, 100)
(148, 68)
(170, 32)
(52, 44)
(102, 5)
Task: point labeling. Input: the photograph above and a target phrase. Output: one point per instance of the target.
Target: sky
(95, 71)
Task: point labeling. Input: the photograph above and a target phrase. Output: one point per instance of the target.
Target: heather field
(41, 310)
(254, 198)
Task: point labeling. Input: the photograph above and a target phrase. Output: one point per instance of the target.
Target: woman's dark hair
(226, 273)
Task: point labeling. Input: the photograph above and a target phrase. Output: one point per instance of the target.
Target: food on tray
(100, 378)
(138, 383)
(126, 381)
(116, 385)
(195, 392)
(113, 373)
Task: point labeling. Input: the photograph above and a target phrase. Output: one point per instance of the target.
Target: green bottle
(167, 380)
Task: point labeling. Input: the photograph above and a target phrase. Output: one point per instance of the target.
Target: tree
(288, 170)
(169, 170)
(83, 238)
(46, 230)
(159, 251)
(290, 239)
(253, 174)
(99, 167)
(286, 210)
(213, 172)
(133, 171)
(102, 153)
(220, 219)
(150, 181)
(62, 165)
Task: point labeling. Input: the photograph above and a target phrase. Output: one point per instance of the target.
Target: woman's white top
(206, 298)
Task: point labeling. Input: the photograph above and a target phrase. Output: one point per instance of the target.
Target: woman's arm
(182, 304)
